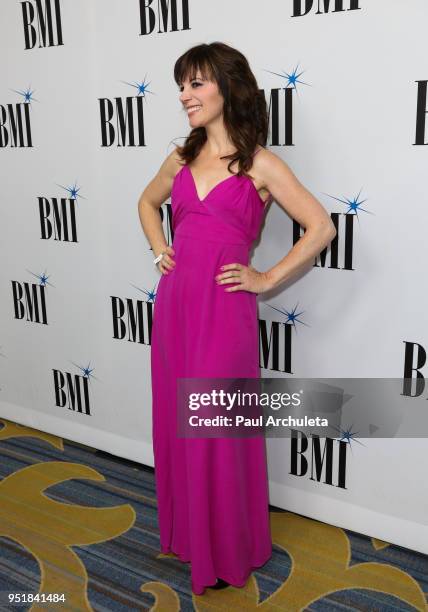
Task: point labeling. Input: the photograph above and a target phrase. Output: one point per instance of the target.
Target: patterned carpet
(81, 522)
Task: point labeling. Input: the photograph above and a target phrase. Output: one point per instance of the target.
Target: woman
(213, 492)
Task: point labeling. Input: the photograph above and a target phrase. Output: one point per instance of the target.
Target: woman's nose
(184, 95)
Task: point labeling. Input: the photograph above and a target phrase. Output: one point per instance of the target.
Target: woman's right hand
(166, 264)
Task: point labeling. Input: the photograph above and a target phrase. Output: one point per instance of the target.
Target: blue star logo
(87, 372)
(73, 191)
(348, 435)
(141, 87)
(151, 294)
(354, 205)
(27, 95)
(42, 278)
(292, 79)
(292, 316)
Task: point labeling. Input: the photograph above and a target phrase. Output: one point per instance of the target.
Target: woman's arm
(302, 206)
(149, 203)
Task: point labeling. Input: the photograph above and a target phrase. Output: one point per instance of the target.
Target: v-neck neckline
(211, 190)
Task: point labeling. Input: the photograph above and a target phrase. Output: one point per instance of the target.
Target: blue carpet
(81, 522)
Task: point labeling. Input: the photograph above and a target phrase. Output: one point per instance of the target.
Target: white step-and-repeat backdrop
(88, 112)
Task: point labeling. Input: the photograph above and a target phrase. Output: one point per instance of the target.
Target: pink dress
(212, 493)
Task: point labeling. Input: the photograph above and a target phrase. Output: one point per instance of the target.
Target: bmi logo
(165, 15)
(415, 358)
(320, 462)
(275, 340)
(29, 299)
(132, 319)
(167, 221)
(42, 23)
(281, 106)
(344, 235)
(72, 390)
(58, 215)
(421, 113)
(122, 118)
(15, 123)
(304, 7)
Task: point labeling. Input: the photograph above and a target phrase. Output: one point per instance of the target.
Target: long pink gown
(212, 493)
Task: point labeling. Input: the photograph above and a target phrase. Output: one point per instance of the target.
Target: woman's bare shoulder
(266, 163)
(263, 159)
(264, 154)
(173, 163)
(159, 188)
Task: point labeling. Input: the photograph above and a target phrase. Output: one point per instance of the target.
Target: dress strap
(254, 154)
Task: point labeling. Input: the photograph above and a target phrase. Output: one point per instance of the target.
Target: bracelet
(158, 258)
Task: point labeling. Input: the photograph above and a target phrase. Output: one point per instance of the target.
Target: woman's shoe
(220, 584)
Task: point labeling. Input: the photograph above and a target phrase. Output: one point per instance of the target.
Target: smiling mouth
(193, 109)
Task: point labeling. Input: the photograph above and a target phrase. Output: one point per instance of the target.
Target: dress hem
(238, 584)
(200, 589)
(168, 550)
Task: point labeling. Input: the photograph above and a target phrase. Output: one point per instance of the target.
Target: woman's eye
(193, 83)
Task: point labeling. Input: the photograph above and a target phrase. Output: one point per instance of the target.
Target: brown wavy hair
(245, 112)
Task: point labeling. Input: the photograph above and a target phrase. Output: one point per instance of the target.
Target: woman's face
(202, 100)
